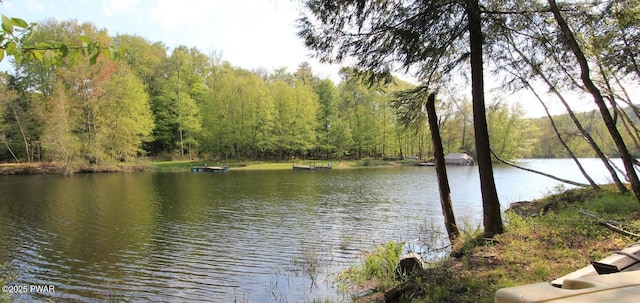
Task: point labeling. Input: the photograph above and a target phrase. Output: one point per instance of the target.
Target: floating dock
(211, 169)
(312, 167)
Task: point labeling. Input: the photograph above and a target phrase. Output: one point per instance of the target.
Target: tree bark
(627, 160)
(441, 171)
(492, 218)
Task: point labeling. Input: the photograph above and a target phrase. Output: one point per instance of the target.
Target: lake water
(242, 236)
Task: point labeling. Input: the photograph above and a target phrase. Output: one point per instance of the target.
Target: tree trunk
(9, 148)
(564, 144)
(627, 160)
(441, 171)
(631, 129)
(24, 137)
(492, 218)
(576, 122)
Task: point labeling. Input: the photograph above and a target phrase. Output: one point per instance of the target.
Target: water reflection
(269, 236)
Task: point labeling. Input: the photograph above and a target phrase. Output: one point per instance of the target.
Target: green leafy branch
(14, 42)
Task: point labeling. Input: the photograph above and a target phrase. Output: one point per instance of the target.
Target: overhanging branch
(539, 172)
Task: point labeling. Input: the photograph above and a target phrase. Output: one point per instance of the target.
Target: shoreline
(546, 240)
(53, 168)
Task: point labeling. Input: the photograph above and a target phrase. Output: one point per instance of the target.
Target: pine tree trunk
(492, 218)
(441, 171)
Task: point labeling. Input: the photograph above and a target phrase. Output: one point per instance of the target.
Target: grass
(267, 166)
(174, 165)
(181, 165)
(532, 250)
(378, 269)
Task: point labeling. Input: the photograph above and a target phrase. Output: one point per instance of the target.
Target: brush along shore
(552, 239)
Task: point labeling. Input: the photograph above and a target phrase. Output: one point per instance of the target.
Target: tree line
(184, 104)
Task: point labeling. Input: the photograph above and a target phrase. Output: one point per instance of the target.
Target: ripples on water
(241, 236)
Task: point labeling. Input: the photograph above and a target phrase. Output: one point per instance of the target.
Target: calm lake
(242, 236)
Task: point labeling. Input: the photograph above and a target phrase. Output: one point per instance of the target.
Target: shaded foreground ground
(556, 240)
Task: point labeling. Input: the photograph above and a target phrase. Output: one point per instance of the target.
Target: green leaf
(94, 57)
(11, 48)
(50, 56)
(19, 22)
(39, 55)
(42, 45)
(18, 58)
(64, 50)
(85, 40)
(30, 31)
(74, 57)
(1, 54)
(109, 53)
(7, 24)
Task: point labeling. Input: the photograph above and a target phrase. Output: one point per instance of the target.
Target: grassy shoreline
(286, 165)
(533, 249)
(40, 168)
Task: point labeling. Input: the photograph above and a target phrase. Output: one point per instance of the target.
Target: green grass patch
(183, 165)
(174, 165)
(378, 268)
(267, 166)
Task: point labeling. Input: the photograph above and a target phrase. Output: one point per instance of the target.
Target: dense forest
(183, 104)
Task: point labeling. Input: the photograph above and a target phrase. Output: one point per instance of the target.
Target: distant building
(458, 159)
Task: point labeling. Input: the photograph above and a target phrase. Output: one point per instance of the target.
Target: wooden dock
(211, 169)
(312, 167)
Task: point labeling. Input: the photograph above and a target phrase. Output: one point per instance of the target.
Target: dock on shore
(211, 169)
(312, 167)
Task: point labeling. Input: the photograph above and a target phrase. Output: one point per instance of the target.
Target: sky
(250, 34)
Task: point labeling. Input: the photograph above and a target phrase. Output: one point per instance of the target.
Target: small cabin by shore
(458, 159)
